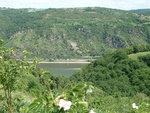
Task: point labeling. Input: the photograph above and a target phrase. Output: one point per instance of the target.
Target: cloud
(24, 3)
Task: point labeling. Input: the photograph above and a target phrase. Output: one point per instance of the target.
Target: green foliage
(50, 103)
(10, 69)
(78, 32)
(118, 83)
(145, 59)
(117, 74)
(119, 55)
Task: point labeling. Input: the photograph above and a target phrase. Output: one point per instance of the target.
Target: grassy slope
(135, 56)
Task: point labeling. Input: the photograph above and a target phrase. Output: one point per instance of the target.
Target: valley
(74, 60)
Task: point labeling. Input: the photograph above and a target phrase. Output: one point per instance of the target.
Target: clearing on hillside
(136, 55)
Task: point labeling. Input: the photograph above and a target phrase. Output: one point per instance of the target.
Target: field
(136, 55)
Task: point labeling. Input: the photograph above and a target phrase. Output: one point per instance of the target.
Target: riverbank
(66, 62)
(74, 60)
(84, 61)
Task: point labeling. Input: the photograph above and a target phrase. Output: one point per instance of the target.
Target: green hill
(72, 32)
(142, 11)
(117, 74)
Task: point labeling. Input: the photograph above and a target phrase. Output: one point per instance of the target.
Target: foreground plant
(72, 100)
(10, 69)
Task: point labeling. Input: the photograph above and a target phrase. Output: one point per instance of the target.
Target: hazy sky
(117, 4)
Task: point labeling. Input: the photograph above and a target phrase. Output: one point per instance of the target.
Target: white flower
(89, 91)
(1, 57)
(134, 106)
(64, 104)
(91, 111)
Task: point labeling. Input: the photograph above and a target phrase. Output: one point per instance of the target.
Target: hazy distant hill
(142, 11)
(72, 33)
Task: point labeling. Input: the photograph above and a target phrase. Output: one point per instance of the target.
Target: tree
(119, 55)
(10, 69)
(145, 59)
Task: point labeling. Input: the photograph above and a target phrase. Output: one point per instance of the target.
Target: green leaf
(75, 90)
(83, 104)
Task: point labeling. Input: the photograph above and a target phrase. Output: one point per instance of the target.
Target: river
(62, 68)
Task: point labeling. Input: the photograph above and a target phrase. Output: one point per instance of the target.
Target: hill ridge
(48, 33)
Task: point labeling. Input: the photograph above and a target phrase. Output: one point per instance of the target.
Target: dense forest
(79, 32)
(117, 74)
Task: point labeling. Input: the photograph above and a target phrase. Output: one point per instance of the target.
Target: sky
(115, 4)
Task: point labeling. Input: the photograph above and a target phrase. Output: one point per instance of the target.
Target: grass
(136, 55)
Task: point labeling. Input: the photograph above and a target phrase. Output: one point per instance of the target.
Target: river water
(62, 68)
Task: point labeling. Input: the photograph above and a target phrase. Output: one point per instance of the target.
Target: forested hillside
(118, 74)
(72, 32)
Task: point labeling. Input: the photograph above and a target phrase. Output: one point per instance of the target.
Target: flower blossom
(92, 111)
(89, 91)
(135, 106)
(64, 104)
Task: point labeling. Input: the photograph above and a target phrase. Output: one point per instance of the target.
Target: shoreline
(64, 62)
